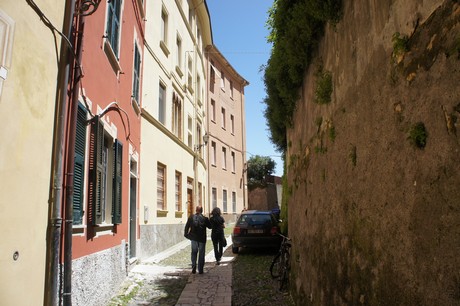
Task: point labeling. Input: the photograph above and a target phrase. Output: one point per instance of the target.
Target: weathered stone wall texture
(374, 219)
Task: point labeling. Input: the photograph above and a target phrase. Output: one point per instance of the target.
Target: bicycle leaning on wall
(280, 265)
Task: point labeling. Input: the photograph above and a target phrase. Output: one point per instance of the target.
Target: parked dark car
(256, 229)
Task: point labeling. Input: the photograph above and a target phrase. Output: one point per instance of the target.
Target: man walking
(195, 230)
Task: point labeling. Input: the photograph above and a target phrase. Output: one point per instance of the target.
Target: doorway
(132, 209)
(189, 197)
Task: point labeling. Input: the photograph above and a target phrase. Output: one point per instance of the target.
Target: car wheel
(235, 250)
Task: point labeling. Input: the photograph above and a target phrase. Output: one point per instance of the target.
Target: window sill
(179, 71)
(164, 48)
(190, 89)
(78, 229)
(162, 213)
(113, 60)
(104, 226)
(179, 214)
(136, 106)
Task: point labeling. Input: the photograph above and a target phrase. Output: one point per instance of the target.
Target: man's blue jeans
(198, 249)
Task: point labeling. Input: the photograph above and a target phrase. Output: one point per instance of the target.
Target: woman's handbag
(224, 242)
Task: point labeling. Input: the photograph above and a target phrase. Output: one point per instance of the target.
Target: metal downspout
(243, 142)
(70, 160)
(54, 227)
(208, 175)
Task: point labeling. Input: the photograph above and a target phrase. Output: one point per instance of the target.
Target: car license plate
(255, 231)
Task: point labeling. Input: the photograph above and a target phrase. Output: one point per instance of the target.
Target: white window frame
(161, 187)
(162, 103)
(213, 153)
(223, 116)
(224, 158)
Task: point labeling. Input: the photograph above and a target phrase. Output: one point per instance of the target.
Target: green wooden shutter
(137, 73)
(117, 180)
(95, 169)
(79, 165)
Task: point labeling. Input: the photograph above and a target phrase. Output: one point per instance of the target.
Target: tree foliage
(295, 29)
(259, 167)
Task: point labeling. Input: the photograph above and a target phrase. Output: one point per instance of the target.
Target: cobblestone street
(160, 280)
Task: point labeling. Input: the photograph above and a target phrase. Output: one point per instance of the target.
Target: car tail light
(274, 230)
(236, 230)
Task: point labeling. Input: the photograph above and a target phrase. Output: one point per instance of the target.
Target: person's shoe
(218, 262)
(193, 270)
(201, 272)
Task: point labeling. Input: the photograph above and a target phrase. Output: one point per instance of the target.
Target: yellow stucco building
(28, 71)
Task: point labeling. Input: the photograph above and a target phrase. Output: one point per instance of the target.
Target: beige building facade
(173, 169)
(227, 136)
(28, 74)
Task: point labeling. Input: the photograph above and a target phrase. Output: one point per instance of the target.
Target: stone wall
(97, 277)
(155, 238)
(374, 219)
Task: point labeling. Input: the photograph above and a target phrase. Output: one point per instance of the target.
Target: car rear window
(255, 219)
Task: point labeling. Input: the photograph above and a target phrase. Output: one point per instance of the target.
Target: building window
(79, 166)
(212, 79)
(232, 124)
(136, 74)
(177, 116)
(198, 38)
(189, 74)
(213, 153)
(224, 200)
(161, 186)
(178, 191)
(233, 162)
(164, 27)
(113, 25)
(234, 201)
(179, 54)
(199, 139)
(231, 89)
(105, 166)
(200, 194)
(214, 197)
(7, 26)
(190, 14)
(223, 117)
(224, 158)
(189, 132)
(198, 89)
(222, 80)
(162, 103)
(213, 110)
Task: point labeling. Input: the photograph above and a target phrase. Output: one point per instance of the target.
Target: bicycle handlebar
(284, 237)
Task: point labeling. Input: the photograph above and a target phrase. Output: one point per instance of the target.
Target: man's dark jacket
(195, 228)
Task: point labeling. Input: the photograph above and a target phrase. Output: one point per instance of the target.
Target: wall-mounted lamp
(88, 7)
(205, 142)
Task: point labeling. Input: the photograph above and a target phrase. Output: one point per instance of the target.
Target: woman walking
(217, 233)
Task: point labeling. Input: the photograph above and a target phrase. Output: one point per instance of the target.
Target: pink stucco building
(227, 136)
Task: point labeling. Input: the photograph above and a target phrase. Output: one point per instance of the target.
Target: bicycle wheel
(284, 270)
(275, 266)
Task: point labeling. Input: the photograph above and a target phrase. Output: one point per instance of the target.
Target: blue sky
(239, 32)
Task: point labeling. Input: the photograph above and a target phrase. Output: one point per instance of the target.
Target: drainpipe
(243, 143)
(54, 227)
(70, 161)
